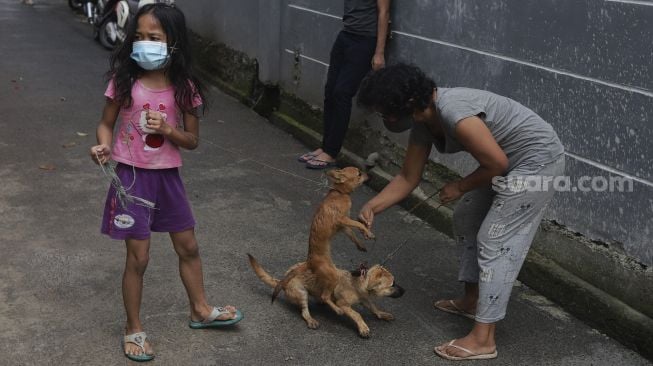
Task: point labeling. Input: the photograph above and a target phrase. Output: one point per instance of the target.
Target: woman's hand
(450, 192)
(100, 154)
(366, 216)
(157, 121)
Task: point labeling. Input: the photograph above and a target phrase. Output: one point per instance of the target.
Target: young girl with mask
(155, 97)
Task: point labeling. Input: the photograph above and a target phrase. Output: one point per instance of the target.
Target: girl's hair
(124, 70)
(397, 90)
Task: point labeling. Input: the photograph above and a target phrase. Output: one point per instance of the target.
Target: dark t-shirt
(361, 17)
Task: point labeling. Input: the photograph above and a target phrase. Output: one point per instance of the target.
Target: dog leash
(391, 255)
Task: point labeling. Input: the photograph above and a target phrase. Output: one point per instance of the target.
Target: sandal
(306, 157)
(453, 309)
(319, 164)
(212, 320)
(139, 340)
(472, 356)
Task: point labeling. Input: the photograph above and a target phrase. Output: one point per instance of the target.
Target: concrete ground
(60, 299)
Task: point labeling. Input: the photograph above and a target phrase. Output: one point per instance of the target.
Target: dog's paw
(312, 323)
(364, 332)
(361, 248)
(385, 316)
(369, 235)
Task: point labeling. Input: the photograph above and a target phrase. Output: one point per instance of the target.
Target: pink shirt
(137, 145)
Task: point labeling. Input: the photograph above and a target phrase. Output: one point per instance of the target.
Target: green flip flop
(212, 320)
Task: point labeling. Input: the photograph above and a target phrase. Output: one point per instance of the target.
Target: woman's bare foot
(466, 347)
(322, 156)
(462, 307)
(309, 155)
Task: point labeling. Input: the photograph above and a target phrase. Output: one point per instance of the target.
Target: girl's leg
(190, 270)
(132, 289)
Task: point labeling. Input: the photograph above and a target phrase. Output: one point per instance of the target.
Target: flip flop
(139, 340)
(212, 320)
(472, 355)
(319, 164)
(456, 310)
(306, 157)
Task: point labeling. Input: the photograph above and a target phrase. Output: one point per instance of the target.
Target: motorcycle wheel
(103, 34)
(75, 4)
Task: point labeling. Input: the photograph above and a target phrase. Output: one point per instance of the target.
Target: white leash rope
(325, 185)
(121, 192)
(411, 235)
(321, 184)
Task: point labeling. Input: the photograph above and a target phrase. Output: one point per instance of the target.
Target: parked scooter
(111, 29)
(76, 4)
(88, 7)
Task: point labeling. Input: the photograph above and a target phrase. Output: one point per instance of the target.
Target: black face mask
(398, 125)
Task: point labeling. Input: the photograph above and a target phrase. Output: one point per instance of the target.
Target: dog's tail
(282, 284)
(260, 273)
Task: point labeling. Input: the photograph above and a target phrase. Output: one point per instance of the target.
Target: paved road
(60, 299)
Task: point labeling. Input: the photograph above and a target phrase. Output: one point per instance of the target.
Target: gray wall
(583, 65)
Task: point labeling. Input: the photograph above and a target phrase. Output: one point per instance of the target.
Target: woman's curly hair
(396, 90)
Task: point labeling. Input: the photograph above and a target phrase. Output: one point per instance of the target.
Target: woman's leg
(190, 270)
(503, 240)
(132, 289)
(467, 219)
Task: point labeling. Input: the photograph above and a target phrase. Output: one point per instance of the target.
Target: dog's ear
(336, 175)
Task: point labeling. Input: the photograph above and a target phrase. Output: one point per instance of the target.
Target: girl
(497, 218)
(153, 92)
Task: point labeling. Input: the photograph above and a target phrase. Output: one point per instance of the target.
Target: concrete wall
(584, 66)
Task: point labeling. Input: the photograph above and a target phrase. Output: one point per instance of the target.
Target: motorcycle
(111, 27)
(76, 4)
(88, 7)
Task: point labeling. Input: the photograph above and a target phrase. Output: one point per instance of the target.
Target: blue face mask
(150, 55)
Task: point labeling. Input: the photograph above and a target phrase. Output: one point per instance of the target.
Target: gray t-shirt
(361, 17)
(526, 139)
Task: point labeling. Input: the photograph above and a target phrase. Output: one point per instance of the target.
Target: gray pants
(495, 227)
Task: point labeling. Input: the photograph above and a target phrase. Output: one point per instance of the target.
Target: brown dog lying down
(350, 288)
(331, 217)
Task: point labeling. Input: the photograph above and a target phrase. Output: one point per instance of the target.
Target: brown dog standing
(331, 217)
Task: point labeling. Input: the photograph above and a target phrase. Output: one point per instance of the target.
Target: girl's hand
(366, 216)
(157, 121)
(450, 192)
(101, 154)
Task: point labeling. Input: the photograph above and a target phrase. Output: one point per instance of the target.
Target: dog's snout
(398, 291)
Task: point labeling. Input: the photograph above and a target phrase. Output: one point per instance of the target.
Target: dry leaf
(47, 167)
(70, 144)
(82, 134)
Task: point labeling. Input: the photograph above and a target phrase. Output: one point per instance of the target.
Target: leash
(369, 163)
(410, 237)
(121, 192)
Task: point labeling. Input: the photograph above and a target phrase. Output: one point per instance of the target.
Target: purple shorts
(164, 188)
